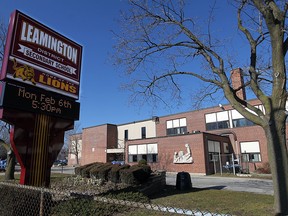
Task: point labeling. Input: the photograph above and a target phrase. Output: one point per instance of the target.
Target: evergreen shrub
(114, 174)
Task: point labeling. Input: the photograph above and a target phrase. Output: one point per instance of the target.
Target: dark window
(242, 122)
(141, 157)
(211, 126)
(251, 157)
(143, 132)
(152, 158)
(132, 158)
(213, 156)
(178, 130)
(217, 125)
(126, 134)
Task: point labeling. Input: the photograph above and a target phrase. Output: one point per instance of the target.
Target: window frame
(176, 126)
(143, 132)
(150, 157)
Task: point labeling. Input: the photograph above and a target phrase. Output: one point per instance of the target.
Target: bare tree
(4, 127)
(157, 40)
(73, 140)
(3, 34)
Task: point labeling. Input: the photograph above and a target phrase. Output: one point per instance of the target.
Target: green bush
(94, 169)
(85, 172)
(136, 174)
(114, 175)
(101, 171)
(142, 162)
(104, 170)
(80, 168)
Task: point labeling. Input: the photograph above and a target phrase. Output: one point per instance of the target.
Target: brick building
(215, 136)
(200, 141)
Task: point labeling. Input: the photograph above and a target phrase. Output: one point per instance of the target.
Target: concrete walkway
(245, 184)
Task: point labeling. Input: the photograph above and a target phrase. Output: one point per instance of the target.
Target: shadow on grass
(170, 190)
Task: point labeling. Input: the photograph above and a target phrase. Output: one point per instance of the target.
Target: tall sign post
(40, 79)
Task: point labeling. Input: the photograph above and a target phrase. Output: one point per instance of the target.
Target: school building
(203, 141)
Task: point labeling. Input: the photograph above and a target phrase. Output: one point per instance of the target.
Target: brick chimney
(238, 82)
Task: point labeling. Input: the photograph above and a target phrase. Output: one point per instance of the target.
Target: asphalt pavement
(245, 184)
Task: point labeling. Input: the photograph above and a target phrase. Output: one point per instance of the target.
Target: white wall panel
(222, 116)
(134, 130)
(132, 149)
(183, 122)
(210, 117)
(142, 149)
(236, 114)
(152, 148)
(250, 147)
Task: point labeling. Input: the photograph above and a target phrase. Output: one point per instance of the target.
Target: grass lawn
(211, 200)
(217, 201)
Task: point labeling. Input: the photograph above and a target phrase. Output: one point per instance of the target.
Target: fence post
(41, 209)
(220, 163)
(233, 164)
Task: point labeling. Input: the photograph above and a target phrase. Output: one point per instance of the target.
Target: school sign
(42, 57)
(39, 87)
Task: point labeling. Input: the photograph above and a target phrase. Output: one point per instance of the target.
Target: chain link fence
(21, 200)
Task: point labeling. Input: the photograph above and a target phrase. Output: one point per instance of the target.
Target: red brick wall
(238, 83)
(99, 138)
(196, 122)
(168, 145)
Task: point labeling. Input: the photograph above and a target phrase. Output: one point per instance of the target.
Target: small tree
(9, 153)
(158, 40)
(4, 127)
(73, 139)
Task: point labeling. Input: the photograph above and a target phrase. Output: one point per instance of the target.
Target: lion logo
(24, 72)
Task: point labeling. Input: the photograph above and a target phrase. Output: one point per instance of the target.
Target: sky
(89, 23)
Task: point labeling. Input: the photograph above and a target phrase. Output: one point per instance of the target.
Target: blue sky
(89, 23)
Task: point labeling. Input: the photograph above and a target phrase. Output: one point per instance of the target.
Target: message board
(26, 98)
(38, 56)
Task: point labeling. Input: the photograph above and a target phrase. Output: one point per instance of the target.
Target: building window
(148, 152)
(216, 121)
(242, 123)
(250, 151)
(176, 126)
(213, 150)
(143, 132)
(132, 158)
(126, 134)
(239, 121)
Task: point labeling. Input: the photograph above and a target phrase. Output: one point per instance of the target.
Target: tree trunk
(10, 169)
(278, 158)
(77, 159)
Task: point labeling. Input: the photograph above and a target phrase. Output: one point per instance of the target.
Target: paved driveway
(262, 186)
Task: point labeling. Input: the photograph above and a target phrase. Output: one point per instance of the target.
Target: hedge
(136, 174)
(116, 173)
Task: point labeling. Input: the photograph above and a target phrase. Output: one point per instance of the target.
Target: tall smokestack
(238, 83)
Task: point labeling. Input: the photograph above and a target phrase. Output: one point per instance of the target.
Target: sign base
(36, 140)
